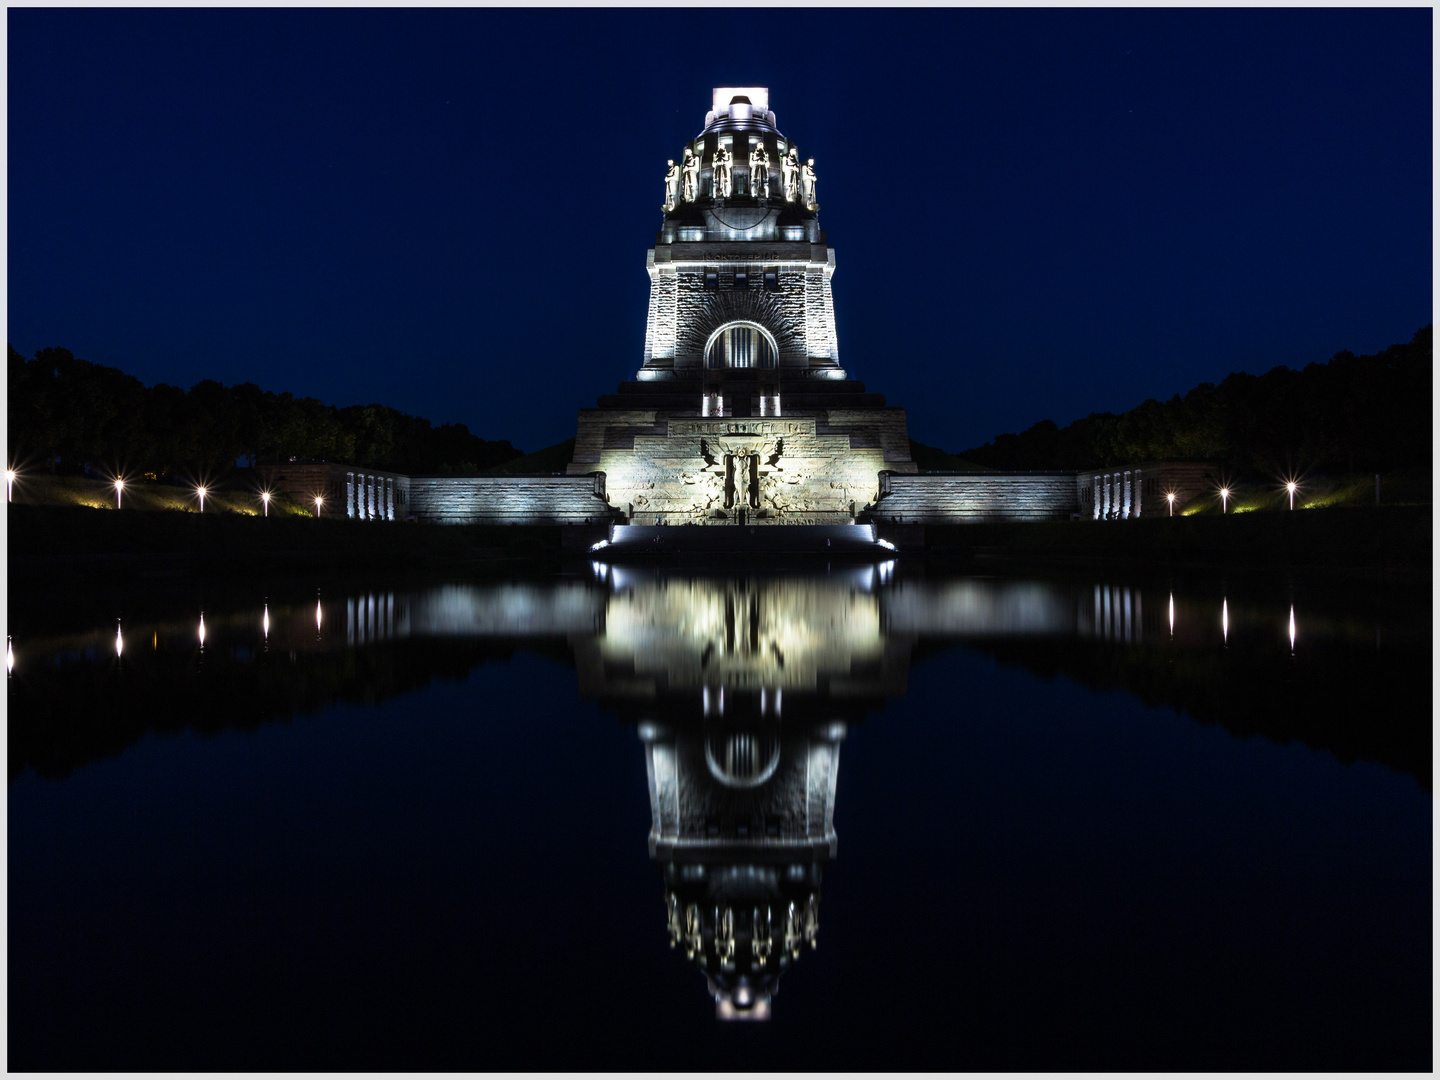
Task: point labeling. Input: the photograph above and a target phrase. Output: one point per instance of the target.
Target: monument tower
(740, 412)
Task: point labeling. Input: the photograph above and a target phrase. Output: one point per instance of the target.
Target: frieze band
(798, 426)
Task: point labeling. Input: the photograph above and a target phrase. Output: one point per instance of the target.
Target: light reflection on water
(741, 688)
(752, 632)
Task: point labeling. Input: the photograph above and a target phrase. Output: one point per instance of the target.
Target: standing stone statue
(720, 170)
(790, 174)
(672, 184)
(691, 173)
(807, 183)
(760, 171)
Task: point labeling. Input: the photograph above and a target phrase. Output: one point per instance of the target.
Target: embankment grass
(1316, 492)
(42, 489)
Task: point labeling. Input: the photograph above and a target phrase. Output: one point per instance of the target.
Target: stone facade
(367, 495)
(791, 469)
(740, 413)
(511, 500)
(768, 431)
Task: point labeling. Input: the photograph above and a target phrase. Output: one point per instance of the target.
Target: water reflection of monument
(742, 689)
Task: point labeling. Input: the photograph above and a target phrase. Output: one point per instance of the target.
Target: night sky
(1036, 214)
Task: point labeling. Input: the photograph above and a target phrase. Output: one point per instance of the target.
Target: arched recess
(741, 344)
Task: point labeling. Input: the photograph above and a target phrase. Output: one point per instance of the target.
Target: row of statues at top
(682, 182)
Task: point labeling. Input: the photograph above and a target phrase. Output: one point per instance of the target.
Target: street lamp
(319, 502)
(9, 485)
(1290, 487)
(265, 498)
(119, 487)
(1224, 497)
(201, 492)
(1170, 498)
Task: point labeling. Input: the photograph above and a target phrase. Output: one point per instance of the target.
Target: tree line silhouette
(1354, 413)
(69, 415)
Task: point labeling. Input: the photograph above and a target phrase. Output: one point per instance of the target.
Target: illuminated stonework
(740, 412)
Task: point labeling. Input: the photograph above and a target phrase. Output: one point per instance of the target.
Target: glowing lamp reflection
(317, 614)
(1292, 628)
(1225, 619)
(202, 629)
(1172, 614)
(9, 656)
(119, 640)
(265, 621)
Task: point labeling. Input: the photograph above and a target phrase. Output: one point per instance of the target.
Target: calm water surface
(659, 819)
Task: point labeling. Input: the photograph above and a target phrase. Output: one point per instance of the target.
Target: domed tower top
(740, 178)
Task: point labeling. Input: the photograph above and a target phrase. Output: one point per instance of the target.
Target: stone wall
(683, 313)
(1130, 491)
(510, 500)
(645, 468)
(347, 491)
(956, 499)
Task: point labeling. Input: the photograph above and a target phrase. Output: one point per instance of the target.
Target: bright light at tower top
(721, 97)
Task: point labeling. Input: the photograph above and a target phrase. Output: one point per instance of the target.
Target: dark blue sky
(1036, 214)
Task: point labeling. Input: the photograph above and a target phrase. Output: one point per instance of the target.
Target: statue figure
(672, 184)
(720, 171)
(760, 171)
(807, 183)
(691, 172)
(790, 173)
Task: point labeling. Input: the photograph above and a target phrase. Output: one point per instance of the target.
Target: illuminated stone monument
(741, 412)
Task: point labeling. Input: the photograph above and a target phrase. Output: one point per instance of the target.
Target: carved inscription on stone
(720, 426)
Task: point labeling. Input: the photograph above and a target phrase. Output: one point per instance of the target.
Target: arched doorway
(741, 344)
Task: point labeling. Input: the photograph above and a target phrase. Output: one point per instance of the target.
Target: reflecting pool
(598, 821)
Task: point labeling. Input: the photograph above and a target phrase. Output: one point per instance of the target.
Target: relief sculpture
(742, 474)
